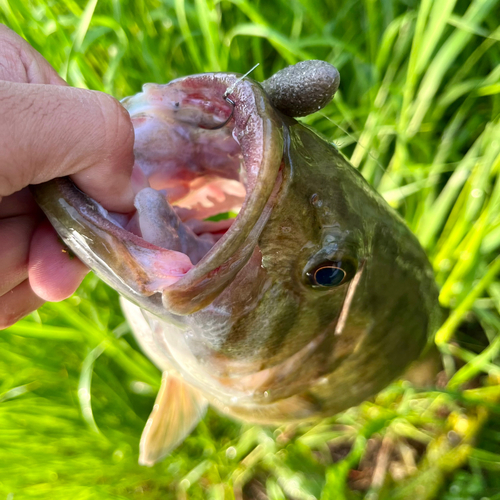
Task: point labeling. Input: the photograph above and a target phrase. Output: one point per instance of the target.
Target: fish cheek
(262, 332)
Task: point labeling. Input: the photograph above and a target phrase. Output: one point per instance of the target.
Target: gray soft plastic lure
(303, 88)
(312, 299)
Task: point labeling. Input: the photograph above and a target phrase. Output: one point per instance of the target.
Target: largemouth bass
(312, 299)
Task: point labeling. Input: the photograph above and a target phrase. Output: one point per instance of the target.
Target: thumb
(50, 131)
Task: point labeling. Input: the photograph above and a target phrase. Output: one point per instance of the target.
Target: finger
(50, 131)
(15, 233)
(17, 303)
(53, 273)
(22, 63)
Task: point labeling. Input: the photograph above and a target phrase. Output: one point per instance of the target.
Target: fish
(311, 298)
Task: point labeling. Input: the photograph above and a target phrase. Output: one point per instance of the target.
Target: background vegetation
(418, 114)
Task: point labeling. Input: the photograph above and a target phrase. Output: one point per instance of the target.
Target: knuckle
(20, 62)
(11, 64)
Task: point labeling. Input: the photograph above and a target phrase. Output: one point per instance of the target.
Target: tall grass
(418, 113)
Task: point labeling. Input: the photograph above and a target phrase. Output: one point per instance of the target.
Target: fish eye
(331, 273)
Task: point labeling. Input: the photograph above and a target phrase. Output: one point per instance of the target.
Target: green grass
(418, 113)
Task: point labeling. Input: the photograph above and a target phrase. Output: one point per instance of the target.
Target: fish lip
(113, 253)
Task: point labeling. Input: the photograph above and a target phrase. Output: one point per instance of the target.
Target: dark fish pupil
(329, 276)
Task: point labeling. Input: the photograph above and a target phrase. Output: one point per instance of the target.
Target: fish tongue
(161, 226)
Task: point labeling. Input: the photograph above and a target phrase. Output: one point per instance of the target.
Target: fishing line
(233, 86)
(376, 160)
(230, 101)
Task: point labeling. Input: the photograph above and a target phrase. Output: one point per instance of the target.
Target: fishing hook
(229, 100)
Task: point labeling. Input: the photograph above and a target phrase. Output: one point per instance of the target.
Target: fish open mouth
(189, 168)
(205, 145)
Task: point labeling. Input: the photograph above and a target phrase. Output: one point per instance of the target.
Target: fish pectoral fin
(178, 409)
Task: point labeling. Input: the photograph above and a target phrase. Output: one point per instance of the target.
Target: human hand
(49, 130)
